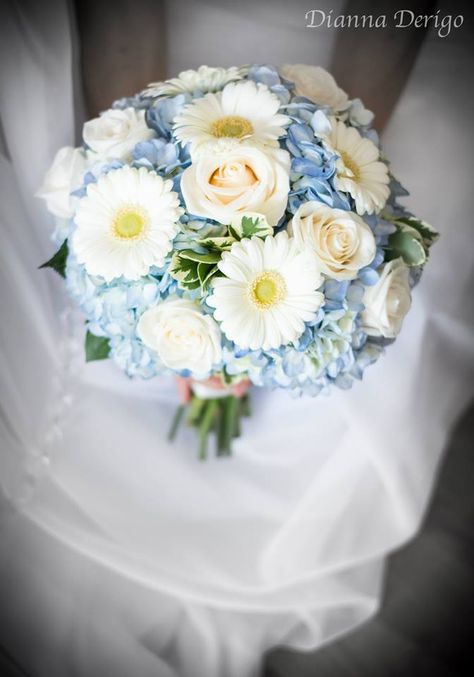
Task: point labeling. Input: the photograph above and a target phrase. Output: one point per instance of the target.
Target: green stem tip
(215, 415)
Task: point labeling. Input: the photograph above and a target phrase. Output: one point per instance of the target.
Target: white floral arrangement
(235, 227)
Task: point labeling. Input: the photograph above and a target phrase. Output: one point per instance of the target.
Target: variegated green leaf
(209, 257)
(202, 271)
(179, 268)
(404, 244)
(255, 226)
(249, 225)
(217, 244)
(427, 232)
(234, 233)
(213, 272)
(194, 284)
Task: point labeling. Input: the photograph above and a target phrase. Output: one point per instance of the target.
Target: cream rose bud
(388, 301)
(316, 84)
(64, 176)
(115, 133)
(235, 179)
(182, 335)
(342, 242)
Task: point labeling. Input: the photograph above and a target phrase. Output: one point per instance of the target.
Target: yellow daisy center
(267, 289)
(352, 166)
(129, 223)
(233, 126)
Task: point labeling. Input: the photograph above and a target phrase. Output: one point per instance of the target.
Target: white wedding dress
(122, 555)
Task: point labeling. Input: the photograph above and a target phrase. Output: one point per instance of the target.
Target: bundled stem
(218, 415)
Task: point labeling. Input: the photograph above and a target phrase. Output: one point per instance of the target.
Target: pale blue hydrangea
(160, 115)
(269, 76)
(333, 349)
(139, 102)
(312, 166)
(112, 310)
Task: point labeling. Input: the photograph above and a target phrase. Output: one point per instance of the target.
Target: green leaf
(233, 233)
(191, 274)
(193, 284)
(58, 261)
(405, 228)
(213, 272)
(97, 347)
(176, 267)
(206, 272)
(183, 271)
(176, 421)
(250, 226)
(427, 232)
(255, 226)
(217, 244)
(209, 257)
(203, 270)
(403, 244)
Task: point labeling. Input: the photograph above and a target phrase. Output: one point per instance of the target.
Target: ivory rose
(64, 176)
(236, 179)
(115, 133)
(182, 335)
(316, 84)
(388, 301)
(342, 242)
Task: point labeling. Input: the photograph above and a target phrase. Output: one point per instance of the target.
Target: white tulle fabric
(129, 555)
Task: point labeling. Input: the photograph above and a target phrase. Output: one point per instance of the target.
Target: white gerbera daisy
(359, 171)
(126, 223)
(268, 292)
(205, 79)
(243, 111)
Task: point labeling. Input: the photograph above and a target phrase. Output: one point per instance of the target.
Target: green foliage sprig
(58, 261)
(411, 241)
(195, 269)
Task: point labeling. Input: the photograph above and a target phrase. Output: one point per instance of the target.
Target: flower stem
(205, 424)
(218, 415)
(245, 405)
(220, 438)
(176, 421)
(230, 413)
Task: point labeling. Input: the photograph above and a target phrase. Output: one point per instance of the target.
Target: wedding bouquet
(235, 226)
